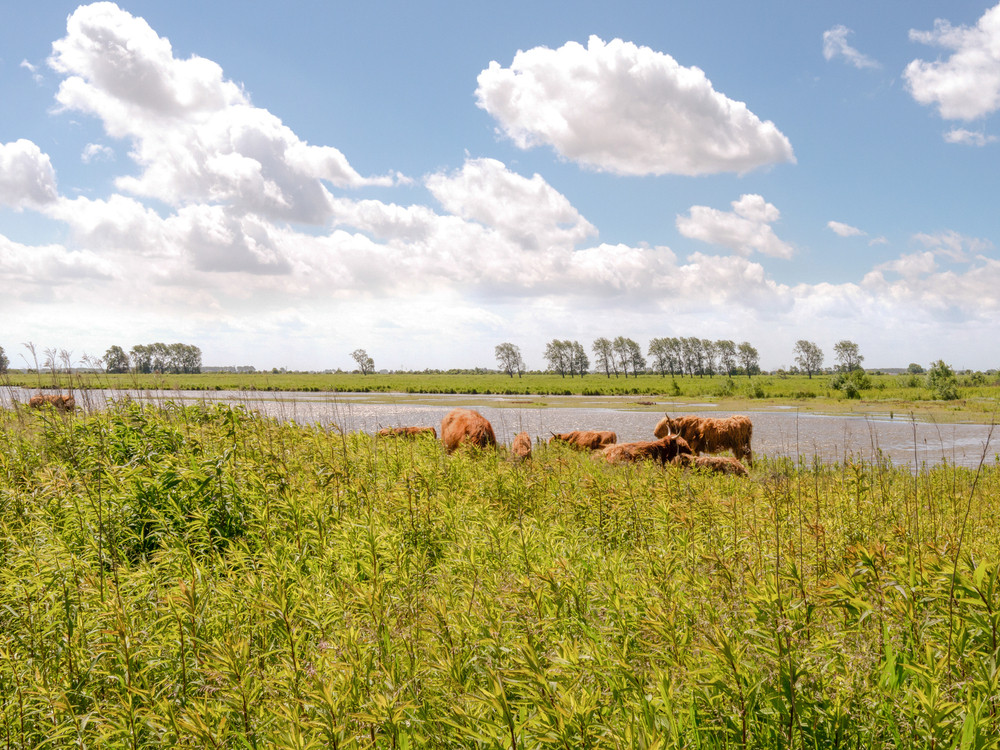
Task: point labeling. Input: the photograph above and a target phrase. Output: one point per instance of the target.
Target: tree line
(676, 355)
(158, 358)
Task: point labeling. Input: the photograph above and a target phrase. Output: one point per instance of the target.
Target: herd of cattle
(679, 440)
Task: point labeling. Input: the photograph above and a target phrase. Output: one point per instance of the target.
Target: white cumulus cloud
(745, 230)
(835, 45)
(622, 108)
(528, 211)
(968, 137)
(27, 179)
(195, 133)
(966, 85)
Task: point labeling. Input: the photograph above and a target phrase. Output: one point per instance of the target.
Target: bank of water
(777, 432)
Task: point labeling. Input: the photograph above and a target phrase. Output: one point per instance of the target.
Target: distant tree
(749, 358)
(915, 369)
(365, 363)
(141, 357)
(4, 362)
(509, 358)
(690, 351)
(559, 355)
(115, 360)
(579, 362)
(635, 359)
(808, 356)
(628, 354)
(727, 355)
(659, 352)
(848, 355)
(604, 356)
(710, 356)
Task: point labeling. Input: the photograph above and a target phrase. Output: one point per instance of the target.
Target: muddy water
(779, 432)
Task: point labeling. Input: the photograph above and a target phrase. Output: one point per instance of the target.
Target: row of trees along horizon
(690, 356)
(141, 358)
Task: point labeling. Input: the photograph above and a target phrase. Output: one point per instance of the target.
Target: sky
(283, 183)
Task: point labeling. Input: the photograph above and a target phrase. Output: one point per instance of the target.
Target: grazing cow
(466, 427)
(585, 440)
(665, 450)
(59, 401)
(521, 447)
(715, 464)
(407, 432)
(710, 435)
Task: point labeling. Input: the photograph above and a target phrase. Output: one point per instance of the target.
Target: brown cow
(666, 450)
(59, 401)
(407, 432)
(716, 464)
(585, 440)
(466, 427)
(710, 435)
(521, 447)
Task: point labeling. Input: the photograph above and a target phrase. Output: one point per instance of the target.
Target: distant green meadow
(204, 577)
(977, 394)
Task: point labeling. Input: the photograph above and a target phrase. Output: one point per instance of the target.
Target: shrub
(942, 381)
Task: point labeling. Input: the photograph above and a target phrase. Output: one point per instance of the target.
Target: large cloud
(965, 86)
(27, 179)
(621, 108)
(195, 133)
(528, 211)
(746, 229)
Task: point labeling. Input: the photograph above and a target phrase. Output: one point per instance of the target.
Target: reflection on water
(783, 432)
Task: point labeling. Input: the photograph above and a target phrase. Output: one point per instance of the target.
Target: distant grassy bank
(978, 395)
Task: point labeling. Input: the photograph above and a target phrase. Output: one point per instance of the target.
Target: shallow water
(782, 432)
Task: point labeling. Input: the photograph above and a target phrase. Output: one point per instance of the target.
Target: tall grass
(205, 577)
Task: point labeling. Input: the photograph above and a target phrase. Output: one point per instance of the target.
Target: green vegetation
(196, 577)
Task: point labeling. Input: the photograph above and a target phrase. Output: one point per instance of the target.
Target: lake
(777, 432)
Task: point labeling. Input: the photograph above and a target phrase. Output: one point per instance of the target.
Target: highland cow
(666, 450)
(466, 427)
(585, 440)
(710, 435)
(57, 400)
(521, 447)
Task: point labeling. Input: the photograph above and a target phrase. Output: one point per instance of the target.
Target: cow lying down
(585, 440)
(663, 451)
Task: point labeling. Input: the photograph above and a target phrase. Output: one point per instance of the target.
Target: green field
(978, 394)
(203, 577)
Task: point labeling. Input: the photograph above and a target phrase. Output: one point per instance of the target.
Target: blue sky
(281, 184)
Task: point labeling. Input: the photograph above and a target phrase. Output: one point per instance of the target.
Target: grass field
(978, 395)
(203, 577)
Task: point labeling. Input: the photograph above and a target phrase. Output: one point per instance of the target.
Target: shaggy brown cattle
(710, 435)
(59, 401)
(585, 440)
(716, 464)
(521, 447)
(466, 427)
(407, 432)
(666, 450)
